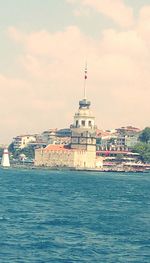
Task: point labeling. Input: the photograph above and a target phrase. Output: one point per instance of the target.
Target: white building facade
(22, 141)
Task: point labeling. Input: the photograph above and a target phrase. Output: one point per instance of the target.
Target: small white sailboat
(5, 158)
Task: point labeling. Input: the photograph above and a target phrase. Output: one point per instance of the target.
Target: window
(90, 123)
(77, 123)
(83, 123)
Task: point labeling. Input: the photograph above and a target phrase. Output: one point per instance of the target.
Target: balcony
(94, 127)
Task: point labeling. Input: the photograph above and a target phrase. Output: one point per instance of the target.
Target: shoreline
(32, 167)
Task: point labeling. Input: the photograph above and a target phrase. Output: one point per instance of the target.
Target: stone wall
(65, 158)
(54, 158)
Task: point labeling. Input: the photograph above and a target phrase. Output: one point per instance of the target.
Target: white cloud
(16, 35)
(118, 77)
(82, 12)
(26, 107)
(144, 24)
(116, 10)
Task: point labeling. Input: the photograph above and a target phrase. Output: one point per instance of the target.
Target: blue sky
(44, 45)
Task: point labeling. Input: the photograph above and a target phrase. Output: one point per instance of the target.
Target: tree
(11, 148)
(145, 135)
(147, 157)
(27, 151)
(1, 152)
(144, 150)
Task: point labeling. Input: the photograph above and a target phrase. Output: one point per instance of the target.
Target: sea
(69, 216)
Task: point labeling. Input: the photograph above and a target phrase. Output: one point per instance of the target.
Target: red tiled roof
(55, 147)
(59, 147)
(103, 133)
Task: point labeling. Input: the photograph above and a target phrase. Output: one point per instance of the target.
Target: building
(5, 158)
(121, 139)
(84, 133)
(119, 160)
(49, 136)
(81, 152)
(105, 139)
(22, 141)
(129, 130)
(63, 133)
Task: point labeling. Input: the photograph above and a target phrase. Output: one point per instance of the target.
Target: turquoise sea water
(59, 216)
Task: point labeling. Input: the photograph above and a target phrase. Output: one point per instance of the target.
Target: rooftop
(84, 103)
(60, 147)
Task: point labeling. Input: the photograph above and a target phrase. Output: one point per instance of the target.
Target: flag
(86, 73)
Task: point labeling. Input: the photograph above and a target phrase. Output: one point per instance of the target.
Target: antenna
(85, 78)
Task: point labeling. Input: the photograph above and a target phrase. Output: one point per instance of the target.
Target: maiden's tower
(81, 152)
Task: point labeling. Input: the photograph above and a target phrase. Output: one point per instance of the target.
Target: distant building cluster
(119, 139)
(66, 147)
(51, 136)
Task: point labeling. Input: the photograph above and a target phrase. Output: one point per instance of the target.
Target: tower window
(90, 123)
(83, 123)
(77, 123)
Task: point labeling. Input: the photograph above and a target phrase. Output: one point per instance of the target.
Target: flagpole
(85, 78)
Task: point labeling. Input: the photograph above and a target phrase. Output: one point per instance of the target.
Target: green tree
(1, 152)
(145, 135)
(28, 151)
(11, 148)
(144, 151)
(147, 157)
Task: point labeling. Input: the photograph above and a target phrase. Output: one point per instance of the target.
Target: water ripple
(68, 217)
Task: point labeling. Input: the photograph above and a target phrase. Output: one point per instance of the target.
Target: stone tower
(84, 129)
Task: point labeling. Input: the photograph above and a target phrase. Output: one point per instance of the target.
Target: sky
(43, 49)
